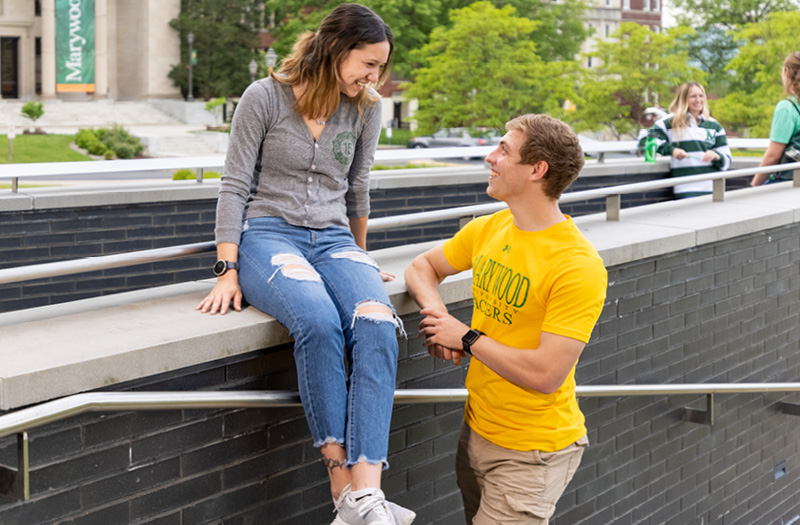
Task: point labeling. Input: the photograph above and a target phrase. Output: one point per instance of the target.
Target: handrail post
(17, 482)
(15, 185)
(613, 205)
(199, 175)
(796, 178)
(601, 157)
(719, 190)
(463, 221)
(703, 417)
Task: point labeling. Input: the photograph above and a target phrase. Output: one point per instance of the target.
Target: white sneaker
(368, 510)
(401, 515)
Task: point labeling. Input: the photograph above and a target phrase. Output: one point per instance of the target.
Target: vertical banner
(74, 46)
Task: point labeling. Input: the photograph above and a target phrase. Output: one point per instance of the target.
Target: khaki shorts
(500, 485)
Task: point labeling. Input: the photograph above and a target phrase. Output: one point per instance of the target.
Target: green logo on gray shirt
(343, 147)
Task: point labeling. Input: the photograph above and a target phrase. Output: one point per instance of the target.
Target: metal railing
(612, 194)
(200, 164)
(16, 481)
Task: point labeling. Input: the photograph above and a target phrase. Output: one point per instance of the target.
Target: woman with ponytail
(784, 137)
(291, 241)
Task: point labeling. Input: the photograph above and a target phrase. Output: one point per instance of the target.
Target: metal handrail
(612, 194)
(49, 169)
(52, 411)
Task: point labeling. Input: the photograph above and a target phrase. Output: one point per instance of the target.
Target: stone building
(84, 49)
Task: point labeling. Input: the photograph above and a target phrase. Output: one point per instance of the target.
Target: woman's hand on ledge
(219, 299)
(386, 276)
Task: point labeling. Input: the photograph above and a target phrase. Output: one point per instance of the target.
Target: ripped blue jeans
(328, 293)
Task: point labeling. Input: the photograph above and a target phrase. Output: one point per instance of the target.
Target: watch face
(219, 267)
(471, 336)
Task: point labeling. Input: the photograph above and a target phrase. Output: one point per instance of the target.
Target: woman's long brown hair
(315, 59)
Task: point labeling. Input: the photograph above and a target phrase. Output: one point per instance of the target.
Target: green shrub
(123, 143)
(83, 137)
(124, 150)
(116, 139)
(108, 155)
(382, 167)
(214, 103)
(95, 147)
(187, 174)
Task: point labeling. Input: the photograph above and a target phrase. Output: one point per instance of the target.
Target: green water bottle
(650, 147)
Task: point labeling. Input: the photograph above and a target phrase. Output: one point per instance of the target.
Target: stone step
(86, 114)
(187, 144)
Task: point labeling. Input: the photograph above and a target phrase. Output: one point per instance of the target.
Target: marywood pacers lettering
(505, 290)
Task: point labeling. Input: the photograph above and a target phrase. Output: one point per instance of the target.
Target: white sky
(668, 14)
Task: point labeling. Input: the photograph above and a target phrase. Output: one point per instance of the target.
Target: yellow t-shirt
(524, 283)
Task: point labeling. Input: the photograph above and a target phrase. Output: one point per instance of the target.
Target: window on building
(37, 8)
(626, 4)
(646, 5)
(589, 62)
(608, 30)
(608, 2)
(656, 5)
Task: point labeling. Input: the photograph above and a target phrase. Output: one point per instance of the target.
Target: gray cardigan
(274, 168)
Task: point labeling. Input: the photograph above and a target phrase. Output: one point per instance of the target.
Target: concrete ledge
(65, 197)
(64, 349)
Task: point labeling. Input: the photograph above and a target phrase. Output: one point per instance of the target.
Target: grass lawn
(4, 186)
(40, 148)
(747, 152)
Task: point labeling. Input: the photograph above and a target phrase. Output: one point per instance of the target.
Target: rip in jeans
(377, 312)
(294, 267)
(357, 256)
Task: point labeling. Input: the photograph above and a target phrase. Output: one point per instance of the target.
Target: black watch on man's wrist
(222, 266)
(469, 339)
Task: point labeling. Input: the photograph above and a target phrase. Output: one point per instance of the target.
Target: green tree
(411, 22)
(562, 28)
(758, 69)
(476, 82)
(711, 48)
(729, 13)
(224, 37)
(558, 36)
(33, 111)
(637, 68)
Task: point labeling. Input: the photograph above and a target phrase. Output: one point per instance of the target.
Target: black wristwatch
(469, 339)
(222, 266)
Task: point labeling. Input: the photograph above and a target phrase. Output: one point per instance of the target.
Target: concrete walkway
(162, 125)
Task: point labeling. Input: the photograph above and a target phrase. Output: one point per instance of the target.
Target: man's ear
(538, 170)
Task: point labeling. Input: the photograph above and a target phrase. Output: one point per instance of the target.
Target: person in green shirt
(784, 137)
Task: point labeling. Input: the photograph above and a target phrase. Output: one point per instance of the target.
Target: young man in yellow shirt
(538, 289)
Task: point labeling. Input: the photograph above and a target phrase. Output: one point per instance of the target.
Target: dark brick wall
(724, 312)
(36, 237)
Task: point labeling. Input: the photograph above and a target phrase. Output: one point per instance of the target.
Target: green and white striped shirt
(695, 140)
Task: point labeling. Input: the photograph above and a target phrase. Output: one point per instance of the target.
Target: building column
(100, 49)
(48, 49)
